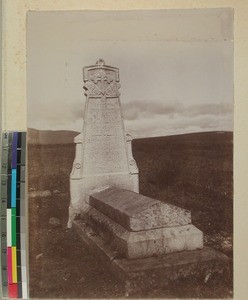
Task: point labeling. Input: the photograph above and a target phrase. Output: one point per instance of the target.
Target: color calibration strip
(13, 242)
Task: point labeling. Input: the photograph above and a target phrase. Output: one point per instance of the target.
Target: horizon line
(141, 137)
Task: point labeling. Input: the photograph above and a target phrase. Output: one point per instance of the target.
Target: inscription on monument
(105, 142)
(103, 150)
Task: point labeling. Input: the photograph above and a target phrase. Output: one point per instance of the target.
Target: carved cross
(102, 78)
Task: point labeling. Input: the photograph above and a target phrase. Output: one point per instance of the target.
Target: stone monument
(103, 150)
(144, 242)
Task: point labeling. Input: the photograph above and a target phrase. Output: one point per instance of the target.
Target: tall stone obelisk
(103, 150)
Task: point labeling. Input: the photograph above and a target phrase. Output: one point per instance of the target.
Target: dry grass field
(193, 171)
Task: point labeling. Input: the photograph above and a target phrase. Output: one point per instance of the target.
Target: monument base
(142, 274)
(80, 188)
(145, 243)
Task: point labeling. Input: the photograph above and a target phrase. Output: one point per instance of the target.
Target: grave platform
(142, 274)
(138, 226)
(144, 243)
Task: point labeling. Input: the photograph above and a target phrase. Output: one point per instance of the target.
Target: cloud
(207, 109)
(55, 115)
(194, 118)
(139, 110)
(144, 118)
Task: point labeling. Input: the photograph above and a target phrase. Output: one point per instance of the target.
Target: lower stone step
(153, 272)
(145, 243)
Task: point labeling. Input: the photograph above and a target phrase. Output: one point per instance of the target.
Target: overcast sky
(176, 68)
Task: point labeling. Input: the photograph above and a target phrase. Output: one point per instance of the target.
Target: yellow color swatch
(14, 266)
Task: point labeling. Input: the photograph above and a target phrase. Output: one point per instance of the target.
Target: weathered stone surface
(137, 212)
(104, 145)
(153, 272)
(104, 141)
(134, 244)
(103, 151)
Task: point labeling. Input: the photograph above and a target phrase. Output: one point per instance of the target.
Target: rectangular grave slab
(136, 212)
(137, 244)
(143, 274)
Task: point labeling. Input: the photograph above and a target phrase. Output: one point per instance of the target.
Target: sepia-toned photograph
(130, 153)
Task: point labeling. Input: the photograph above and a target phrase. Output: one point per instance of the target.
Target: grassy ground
(192, 171)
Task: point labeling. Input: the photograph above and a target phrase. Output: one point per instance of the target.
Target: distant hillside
(208, 139)
(50, 137)
(66, 137)
(193, 171)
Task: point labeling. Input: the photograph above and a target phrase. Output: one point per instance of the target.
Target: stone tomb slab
(145, 243)
(153, 272)
(136, 212)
